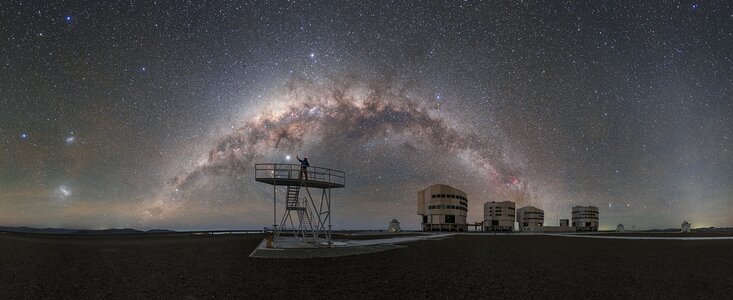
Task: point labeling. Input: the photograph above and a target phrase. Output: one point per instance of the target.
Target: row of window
(449, 196)
(588, 217)
(533, 213)
(499, 207)
(585, 212)
(527, 224)
(450, 219)
(448, 207)
(464, 204)
(499, 215)
(580, 224)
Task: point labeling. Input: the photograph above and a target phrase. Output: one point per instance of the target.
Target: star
(530, 113)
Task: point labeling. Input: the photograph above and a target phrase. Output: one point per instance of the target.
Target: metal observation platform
(290, 174)
(306, 218)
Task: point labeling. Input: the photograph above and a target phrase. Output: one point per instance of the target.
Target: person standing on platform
(303, 167)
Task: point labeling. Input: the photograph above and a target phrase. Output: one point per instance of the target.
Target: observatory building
(394, 226)
(530, 217)
(685, 226)
(499, 216)
(443, 208)
(585, 218)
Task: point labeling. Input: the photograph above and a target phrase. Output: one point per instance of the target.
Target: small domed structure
(394, 226)
(686, 226)
(620, 228)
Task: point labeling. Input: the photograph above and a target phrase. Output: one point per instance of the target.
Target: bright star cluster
(152, 115)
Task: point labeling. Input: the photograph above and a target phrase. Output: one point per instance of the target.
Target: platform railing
(293, 172)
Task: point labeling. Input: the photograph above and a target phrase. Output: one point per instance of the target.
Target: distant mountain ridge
(122, 231)
(700, 229)
(80, 231)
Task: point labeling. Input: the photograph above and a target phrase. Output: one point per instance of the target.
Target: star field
(147, 114)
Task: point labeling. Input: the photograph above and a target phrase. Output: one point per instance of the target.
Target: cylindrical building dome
(530, 217)
(443, 208)
(499, 216)
(585, 218)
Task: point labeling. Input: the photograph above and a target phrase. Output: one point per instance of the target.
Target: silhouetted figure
(303, 167)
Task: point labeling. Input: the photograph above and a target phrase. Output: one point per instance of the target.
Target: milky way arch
(350, 110)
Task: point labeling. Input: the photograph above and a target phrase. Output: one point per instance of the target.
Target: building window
(450, 219)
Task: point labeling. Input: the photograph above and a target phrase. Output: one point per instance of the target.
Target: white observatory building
(585, 218)
(530, 218)
(499, 216)
(443, 208)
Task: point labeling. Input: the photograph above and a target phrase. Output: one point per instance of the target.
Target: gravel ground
(463, 267)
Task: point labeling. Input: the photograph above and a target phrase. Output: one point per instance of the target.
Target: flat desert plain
(184, 266)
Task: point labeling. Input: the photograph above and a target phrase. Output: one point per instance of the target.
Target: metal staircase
(303, 211)
(291, 200)
(305, 219)
(313, 223)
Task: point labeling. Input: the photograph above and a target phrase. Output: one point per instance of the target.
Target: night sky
(136, 114)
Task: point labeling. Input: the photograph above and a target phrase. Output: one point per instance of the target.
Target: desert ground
(184, 266)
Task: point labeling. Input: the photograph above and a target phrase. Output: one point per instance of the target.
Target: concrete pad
(289, 247)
